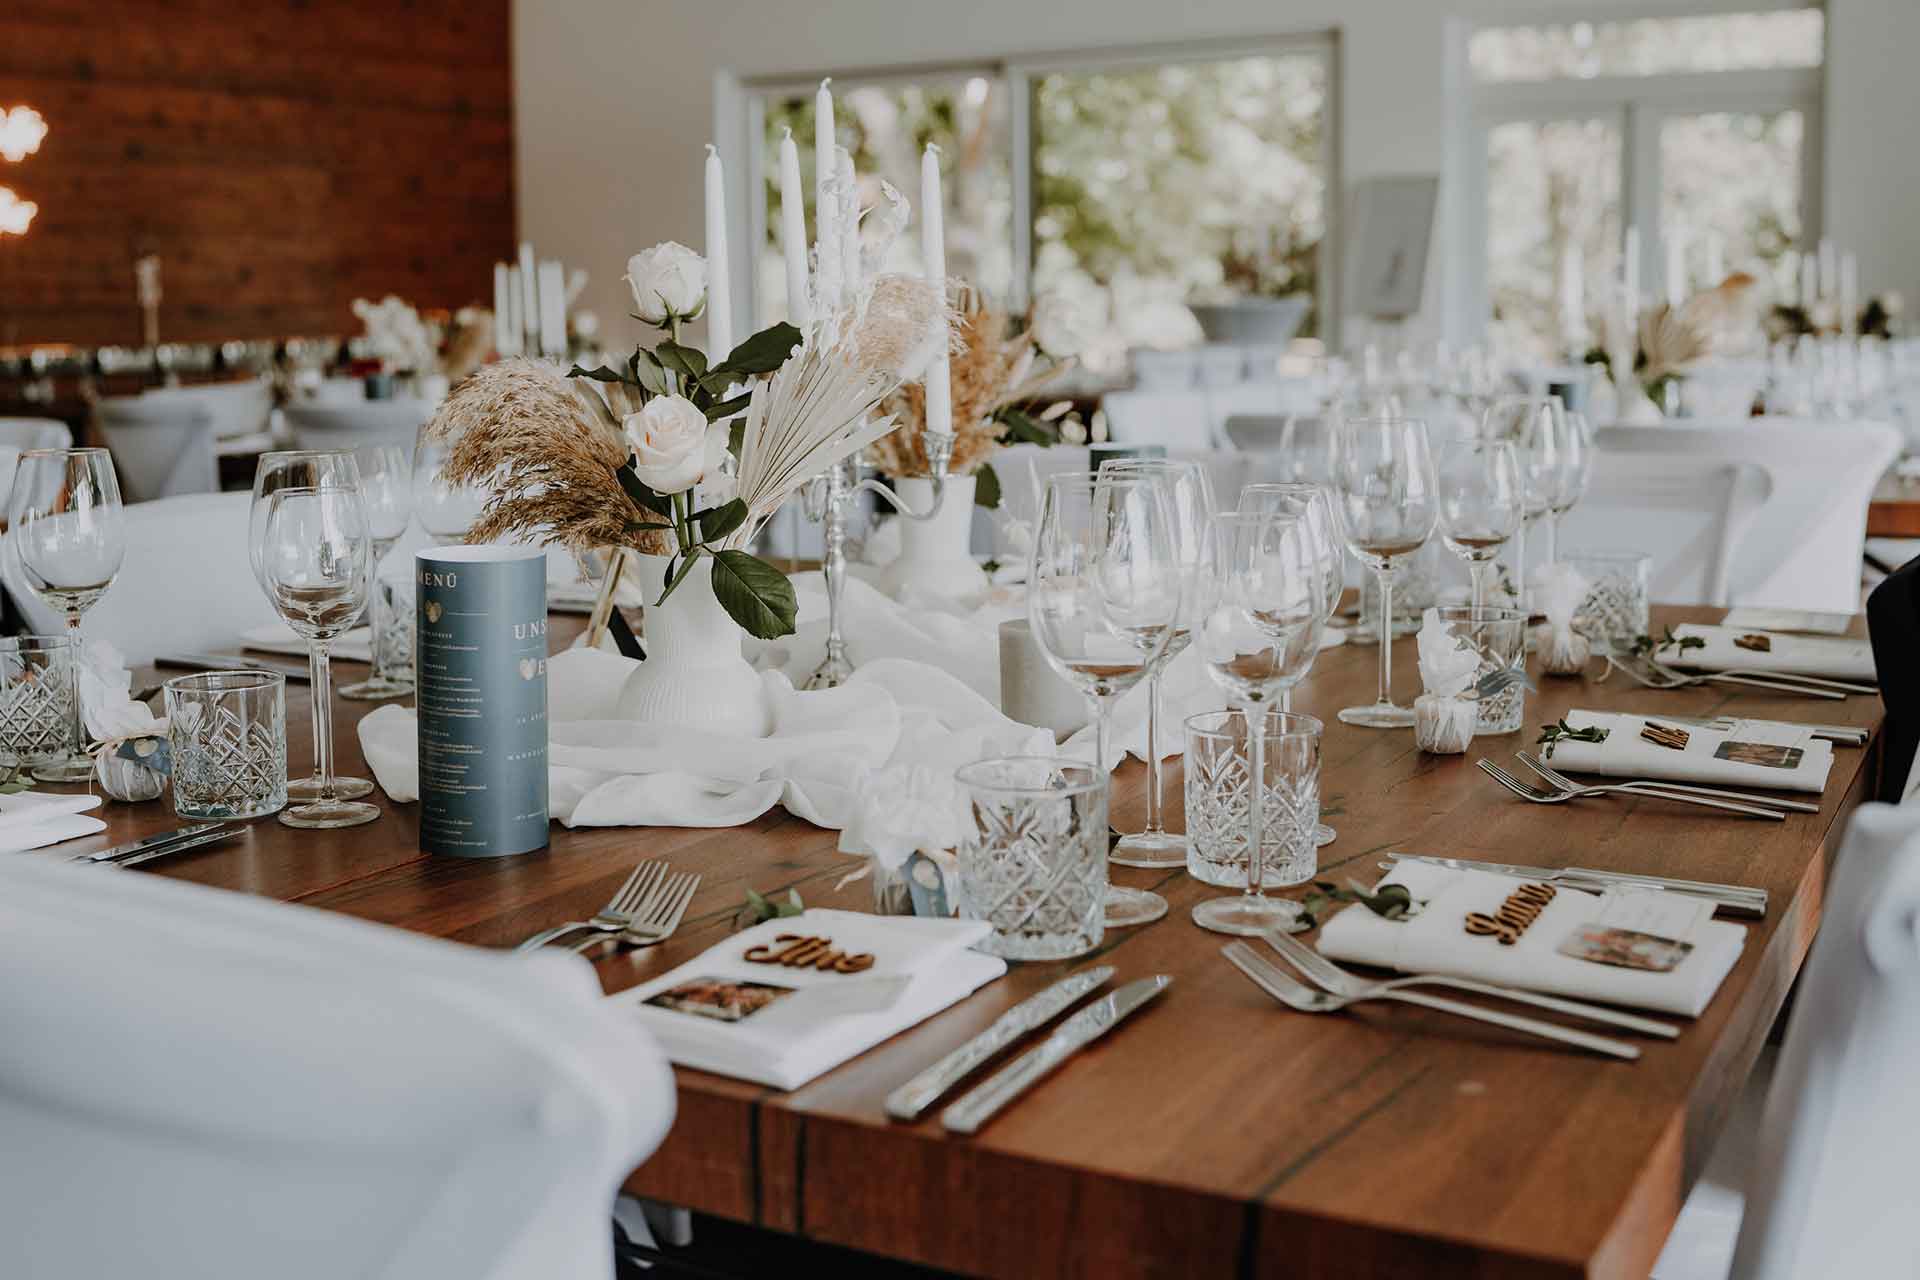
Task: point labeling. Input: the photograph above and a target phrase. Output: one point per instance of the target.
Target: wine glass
(70, 531)
(446, 510)
(1546, 456)
(1259, 627)
(1480, 503)
(1512, 418)
(1104, 593)
(386, 485)
(1191, 491)
(1572, 483)
(1384, 490)
(314, 556)
(1312, 503)
(299, 469)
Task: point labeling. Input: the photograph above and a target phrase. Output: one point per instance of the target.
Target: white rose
(1063, 326)
(668, 280)
(899, 810)
(672, 444)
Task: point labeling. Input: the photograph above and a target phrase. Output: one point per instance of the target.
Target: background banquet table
(1215, 1134)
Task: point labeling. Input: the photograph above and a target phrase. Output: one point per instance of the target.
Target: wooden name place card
(1522, 907)
(799, 951)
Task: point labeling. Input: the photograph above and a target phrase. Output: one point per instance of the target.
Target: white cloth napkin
(277, 637)
(920, 967)
(1625, 754)
(106, 700)
(1436, 941)
(1831, 658)
(36, 819)
(1798, 621)
(620, 773)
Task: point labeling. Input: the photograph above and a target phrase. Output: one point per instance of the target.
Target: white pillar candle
(933, 250)
(793, 230)
(516, 317)
(529, 298)
(1676, 274)
(851, 278)
(1829, 268)
(553, 309)
(1573, 305)
(502, 339)
(1849, 293)
(719, 296)
(1809, 283)
(1630, 276)
(1716, 259)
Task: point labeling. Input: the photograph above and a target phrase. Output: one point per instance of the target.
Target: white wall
(615, 100)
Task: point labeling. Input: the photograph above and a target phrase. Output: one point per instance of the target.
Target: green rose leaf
(986, 488)
(602, 374)
(727, 408)
(736, 436)
(647, 373)
(677, 571)
(643, 497)
(754, 593)
(689, 362)
(718, 522)
(1024, 428)
(764, 352)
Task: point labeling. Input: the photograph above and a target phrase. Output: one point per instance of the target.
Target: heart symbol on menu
(527, 668)
(433, 611)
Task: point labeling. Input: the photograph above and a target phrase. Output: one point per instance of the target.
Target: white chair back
(1023, 470)
(161, 448)
(1803, 552)
(1283, 447)
(1170, 419)
(1689, 514)
(242, 408)
(1163, 370)
(35, 433)
(350, 426)
(301, 1094)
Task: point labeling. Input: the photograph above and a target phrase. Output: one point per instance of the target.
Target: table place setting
(1755, 753)
(1821, 661)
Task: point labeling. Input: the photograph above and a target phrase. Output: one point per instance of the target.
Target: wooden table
(1894, 511)
(1215, 1134)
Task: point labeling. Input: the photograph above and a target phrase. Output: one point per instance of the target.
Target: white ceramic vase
(694, 675)
(935, 557)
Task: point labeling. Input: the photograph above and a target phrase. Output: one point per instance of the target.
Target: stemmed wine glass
(1572, 480)
(1384, 490)
(314, 557)
(446, 510)
(1514, 420)
(1312, 504)
(1481, 503)
(1104, 592)
(1259, 627)
(299, 469)
(70, 530)
(1191, 491)
(386, 485)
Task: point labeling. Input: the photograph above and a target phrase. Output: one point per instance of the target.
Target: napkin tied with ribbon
(1824, 657)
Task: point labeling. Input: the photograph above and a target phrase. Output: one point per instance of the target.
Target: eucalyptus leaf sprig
(1645, 646)
(14, 780)
(1389, 902)
(758, 909)
(1552, 735)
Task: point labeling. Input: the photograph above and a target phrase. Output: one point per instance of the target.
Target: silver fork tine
(1512, 783)
(638, 886)
(1559, 779)
(629, 891)
(672, 922)
(661, 908)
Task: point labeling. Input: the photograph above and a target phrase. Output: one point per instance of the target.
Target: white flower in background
(673, 447)
(1066, 322)
(669, 282)
(902, 809)
(397, 336)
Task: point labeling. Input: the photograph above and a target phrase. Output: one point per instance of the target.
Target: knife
(921, 1092)
(1082, 1029)
(226, 662)
(1737, 898)
(159, 846)
(1840, 734)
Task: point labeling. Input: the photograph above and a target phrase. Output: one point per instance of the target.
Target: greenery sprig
(1552, 735)
(1389, 902)
(758, 909)
(14, 780)
(1645, 646)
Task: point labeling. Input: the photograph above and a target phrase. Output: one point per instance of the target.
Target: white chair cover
(1287, 447)
(1171, 419)
(350, 426)
(238, 1087)
(1804, 550)
(1163, 370)
(1689, 514)
(243, 408)
(1221, 364)
(35, 433)
(1024, 468)
(160, 448)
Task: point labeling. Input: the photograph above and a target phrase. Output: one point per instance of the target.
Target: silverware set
(1561, 793)
(161, 845)
(1736, 899)
(1653, 675)
(645, 911)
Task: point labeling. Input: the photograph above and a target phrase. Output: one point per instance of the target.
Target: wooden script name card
(798, 951)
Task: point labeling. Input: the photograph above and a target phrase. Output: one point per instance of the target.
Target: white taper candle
(719, 297)
(850, 274)
(793, 230)
(933, 249)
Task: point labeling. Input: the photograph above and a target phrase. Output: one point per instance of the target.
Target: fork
(616, 915)
(1654, 787)
(1654, 676)
(1531, 793)
(1323, 972)
(656, 918)
(1290, 993)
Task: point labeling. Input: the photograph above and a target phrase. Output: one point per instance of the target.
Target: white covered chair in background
(1265, 397)
(1828, 1190)
(35, 433)
(299, 1094)
(349, 426)
(1220, 364)
(1690, 514)
(1293, 446)
(1804, 550)
(1023, 470)
(1170, 419)
(242, 408)
(1163, 370)
(161, 448)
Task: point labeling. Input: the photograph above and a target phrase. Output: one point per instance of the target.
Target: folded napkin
(1435, 940)
(1798, 621)
(620, 773)
(36, 819)
(1753, 753)
(1831, 658)
(783, 1025)
(277, 637)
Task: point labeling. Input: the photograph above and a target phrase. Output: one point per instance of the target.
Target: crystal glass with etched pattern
(36, 701)
(1219, 798)
(227, 731)
(1616, 610)
(1033, 863)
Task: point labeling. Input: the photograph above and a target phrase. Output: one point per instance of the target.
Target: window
(1158, 180)
(1698, 128)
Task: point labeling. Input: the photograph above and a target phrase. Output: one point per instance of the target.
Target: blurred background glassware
(298, 469)
(1219, 796)
(1259, 631)
(1616, 610)
(37, 682)
(314, 557)
(1191, 492)
(1104, 597)
(392, 623)
(386, 484)
(1480, 503)
(69, 529)
(1571, 482)
(227, 732)
(1384, 491)
(1499, 636)
(445, 510)
(1033, 863)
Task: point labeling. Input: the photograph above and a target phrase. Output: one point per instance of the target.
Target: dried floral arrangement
(1671, 340)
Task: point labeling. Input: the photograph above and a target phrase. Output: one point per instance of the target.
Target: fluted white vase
(694, 674)
(936, 557)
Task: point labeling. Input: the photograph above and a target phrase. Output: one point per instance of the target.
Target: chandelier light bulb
(21, 132)
(15, 214)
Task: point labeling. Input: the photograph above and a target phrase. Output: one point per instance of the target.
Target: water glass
(228, 734)
(1615, 611)
(36, 701)
(391, 624)
(1033, 863)
(1499, 636)
(1218, 798)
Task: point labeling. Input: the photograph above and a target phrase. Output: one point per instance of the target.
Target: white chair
(1163, 370)
(1689, 514)
(160, 448)
(1171, 419)
(186, 584)
(1828, 1191)
(1024, 469)
(1804, 550)
(1289, 447)
(350, 426)
(1264, 397)
(250, 1088)
(35, 433)
(242, 408)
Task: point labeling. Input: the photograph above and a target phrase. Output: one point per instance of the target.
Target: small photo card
(1770, 755)
(1625, 948)
(721, 999)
